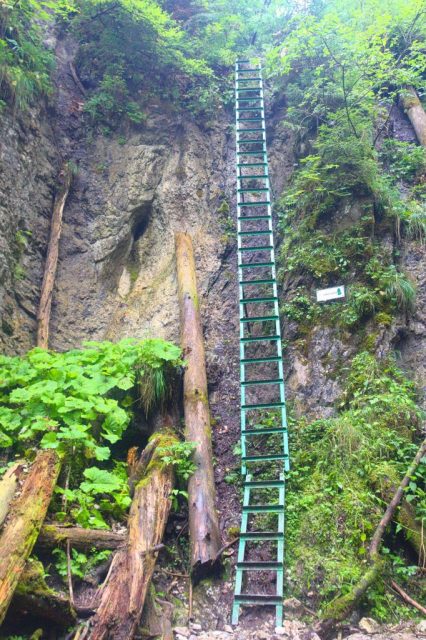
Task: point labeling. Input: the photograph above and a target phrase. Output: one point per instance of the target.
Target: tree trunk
(8, 486)
(415, 112)
(26, 516)
(341, 608)
(124, 591)
(54, 535)
(203, 520)
(33, 596)
(43, 315)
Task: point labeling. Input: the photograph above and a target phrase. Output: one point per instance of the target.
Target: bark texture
(414, 110)
(8, 486)
(43, 315)
(54, 535)
(203, 520)
(26, 516)
(126, 586)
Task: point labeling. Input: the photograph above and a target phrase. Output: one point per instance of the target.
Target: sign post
(333, 293)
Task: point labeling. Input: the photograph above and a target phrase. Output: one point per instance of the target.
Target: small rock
(369, 625)
(293, 608)
(196, 627)
(228, 628)
(421, 627)
(182, 631)
(280, 631)
(192, 637)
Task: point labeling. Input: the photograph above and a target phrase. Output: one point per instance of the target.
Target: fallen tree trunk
(33, 596)
(415, 112)
(8, 486)
(203, 520)
(54, 535)
(43, 315)
(125, 588)
(340, 609)
(25, 518)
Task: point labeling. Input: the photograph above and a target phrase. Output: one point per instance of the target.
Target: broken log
(123, 593)
(203, 520)
(24, 521)
(8, 486)
(33, 596)
(43, 315)
(341, 608)
(54, 535)
(415, 112)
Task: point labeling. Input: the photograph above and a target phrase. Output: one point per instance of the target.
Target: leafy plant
(180, 456)
(334, 498)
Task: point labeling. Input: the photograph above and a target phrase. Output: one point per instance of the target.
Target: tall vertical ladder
(264, 440)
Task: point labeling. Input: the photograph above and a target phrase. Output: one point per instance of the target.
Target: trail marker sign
(334, 293)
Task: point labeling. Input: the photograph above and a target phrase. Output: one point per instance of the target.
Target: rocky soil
(367, 629)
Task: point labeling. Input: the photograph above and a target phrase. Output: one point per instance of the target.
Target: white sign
(323, 295)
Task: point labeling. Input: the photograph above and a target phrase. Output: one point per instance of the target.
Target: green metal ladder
(260, 347)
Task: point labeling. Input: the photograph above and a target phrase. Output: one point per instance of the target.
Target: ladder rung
(256, 190)
(267, 248)
(250, 119)
(260, 299)
(259, 360)
(261, 432)
(262, 535)
(249, 79)
(263, 175)
(265, 281)
(255, 233)
(255, 565)
(249, 109)
(271, 457)
(254, 218)
(256, 264)
(250, 130)
(261, 339)
(260, 203)
(260, 319)
(264, 484)
(260, 599)
(251, 153)
(249, 383)
(252, 164)
(263, 405)
(263, 508)
(251, 141)
(249, 99)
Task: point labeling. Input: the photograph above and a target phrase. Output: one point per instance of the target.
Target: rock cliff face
(28, 166)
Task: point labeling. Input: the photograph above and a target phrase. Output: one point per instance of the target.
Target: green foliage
(81, 563)
(334, 499)
(25, 63)
(180, 456)
(80, 400)
(80, 403)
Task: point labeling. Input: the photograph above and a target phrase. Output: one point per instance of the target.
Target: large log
(415, 112)
(203, 520)
(25, 518)
(43, 315)
(54, 535)
(126, 586)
